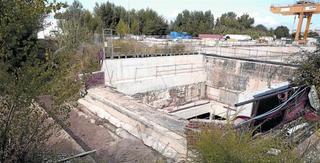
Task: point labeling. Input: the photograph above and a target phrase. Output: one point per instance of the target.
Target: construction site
(146, 101)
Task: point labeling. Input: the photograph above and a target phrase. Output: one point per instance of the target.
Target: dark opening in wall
(202, 116)
(207, 116)
(264, 106)
(216, 117)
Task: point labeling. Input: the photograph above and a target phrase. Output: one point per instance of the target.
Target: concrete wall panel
(227, 78)
(175, 96)
(136, 75)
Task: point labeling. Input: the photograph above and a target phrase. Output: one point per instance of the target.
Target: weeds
(228, 145)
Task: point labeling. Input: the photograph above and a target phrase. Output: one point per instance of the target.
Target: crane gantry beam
(304, 9)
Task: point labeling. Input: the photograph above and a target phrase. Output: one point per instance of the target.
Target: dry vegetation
(135, 47)
(228, 145)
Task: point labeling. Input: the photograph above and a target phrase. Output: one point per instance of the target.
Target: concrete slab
(158, 130)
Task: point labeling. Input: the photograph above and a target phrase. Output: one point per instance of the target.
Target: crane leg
(301, 15)
(306, 32)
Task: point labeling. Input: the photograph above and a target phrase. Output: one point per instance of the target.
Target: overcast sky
(259, 9)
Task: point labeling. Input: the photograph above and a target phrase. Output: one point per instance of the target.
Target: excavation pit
(154, 98)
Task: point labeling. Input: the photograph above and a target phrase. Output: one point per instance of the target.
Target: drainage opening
(207, 116)
(264, 106)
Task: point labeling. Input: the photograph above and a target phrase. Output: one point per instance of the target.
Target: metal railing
(153, 54)
(255, 54)
(166, 70)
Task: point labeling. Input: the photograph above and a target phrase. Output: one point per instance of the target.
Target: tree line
(149, 22)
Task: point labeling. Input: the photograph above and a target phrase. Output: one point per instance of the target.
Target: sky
(169, 9)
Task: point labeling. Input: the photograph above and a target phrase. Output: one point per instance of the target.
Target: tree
(24, 76)
(122, 28)
(30, 70)
(110, 14)
(148, 22)
(230, 23)
(245, 21)
(77, 26)
(313, 34)
(308, 72)
(228, 20)
(134, 28)
(91, 22)
(194, 22)
(261, 28)
(151, 23)
(281, 31)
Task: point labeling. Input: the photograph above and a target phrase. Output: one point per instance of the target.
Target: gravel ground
(110, 147)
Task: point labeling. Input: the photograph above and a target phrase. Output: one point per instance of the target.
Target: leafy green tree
(282, 31)
(151, 23)
(92, 22)
(134, 28)
(308, 72)
(194, 22)
(122, 28)
(261, 28)
(230, 23)
(228, 20)
(148, 21)
(25, 75)
(110, 14)
(77, 26)
(245, 21)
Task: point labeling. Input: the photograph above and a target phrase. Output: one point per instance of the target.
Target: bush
(228, 145)
(308, 72)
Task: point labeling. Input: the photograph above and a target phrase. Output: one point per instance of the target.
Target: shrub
(228, 145)
(308, 72)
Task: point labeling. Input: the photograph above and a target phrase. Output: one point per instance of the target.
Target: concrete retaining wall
(137, 75)
(175, 96)
(154, 79)
(228, 78)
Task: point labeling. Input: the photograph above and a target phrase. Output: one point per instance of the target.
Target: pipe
(262, 97)
(78, 155)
